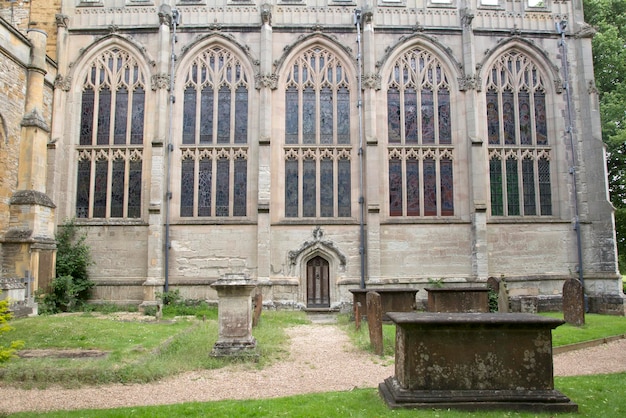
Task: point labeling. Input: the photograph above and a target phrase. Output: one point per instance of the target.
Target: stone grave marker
(258, 308)
(574, 302)
(503, 297)
(375, 321)
(357, 315)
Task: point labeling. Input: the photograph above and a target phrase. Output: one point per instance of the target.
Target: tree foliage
(72, 286)
(608, 17)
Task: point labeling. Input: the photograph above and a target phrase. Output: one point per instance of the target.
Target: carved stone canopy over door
(318, 283)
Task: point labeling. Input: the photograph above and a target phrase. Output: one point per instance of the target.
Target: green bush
(6, 352)
(71, 288)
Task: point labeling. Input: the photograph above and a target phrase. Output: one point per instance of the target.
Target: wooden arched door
(317, 283)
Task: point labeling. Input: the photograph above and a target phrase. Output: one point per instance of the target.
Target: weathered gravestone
(258, 308)
(357, 315)
(375, 321)
(503, 298)
(234, 314)
(574, 302)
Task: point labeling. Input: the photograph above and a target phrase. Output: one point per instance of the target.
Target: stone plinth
(234, 316)
(474, 361)
(458, 299)
(393, 299)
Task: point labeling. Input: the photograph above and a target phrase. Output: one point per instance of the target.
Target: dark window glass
(412, 187)
(187, 187)
(410, 116)
(241, 115)
(309, 191)
(343, 116)
(291, 116)
(447, 187)
(430, 187)
(428, 117)
(508, 117)
(136, 126)
(308, 116)
(223, 117)
(326, 188)
(134, 189)
(222, 197)
(205, 175)
(528, 184)
(206, 115)
(493, 118)
(121, 116)
(540, 118)
(445, 128)
(512, 187)
(82, 189)
(326, 116)
(291, 188)
(86, 117)
(189, 116)
(395, 187)
(545, 193)
(345, 188)
(100, 190)
(495, 182)
(393, 116)
(117, 189)
(525, 127)
(104, 116)
(241, 186)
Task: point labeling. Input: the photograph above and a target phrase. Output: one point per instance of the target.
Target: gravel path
(321, 359)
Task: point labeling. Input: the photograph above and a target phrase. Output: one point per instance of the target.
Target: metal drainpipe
(357, 22)
(560, 28)
(170, 148)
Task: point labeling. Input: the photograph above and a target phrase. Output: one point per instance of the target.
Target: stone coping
(465, 319)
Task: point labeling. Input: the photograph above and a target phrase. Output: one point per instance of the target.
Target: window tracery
(419, 135)
(214, 165)
(317, 150)
(110, 145)
(517, 134)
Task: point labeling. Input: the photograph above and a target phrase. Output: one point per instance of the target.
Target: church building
(319, 146)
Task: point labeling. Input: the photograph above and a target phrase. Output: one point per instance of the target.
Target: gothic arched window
(110, 147)
(317, 150)
(214, 167)
(419, 137)
(517, 133)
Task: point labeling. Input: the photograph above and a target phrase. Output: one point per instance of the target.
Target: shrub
(71, 288)
(5, 315)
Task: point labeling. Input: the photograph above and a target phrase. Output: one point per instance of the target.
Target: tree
(608, 17)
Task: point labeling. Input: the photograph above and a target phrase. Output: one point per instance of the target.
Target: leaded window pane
(82, 189)
(104, 116)
(134, 189)
(206, 115)
(445, 127)
(345, 188)
(343, 115)
(241, 186)
(512, 187)
(508, 117)
(291, 188)
(493, 118)
(137, 118)
(528, 185)
(393, 116)
(410, 115)
(222, 198)
(117, 189)
(86, 119)
(189, 115)
(205, 176)
(430, 187)
(100, 189)
(241, 115)
(326, 116)
(121, 116)
(187, 187)
(308, 116)
(545, 191)
(309, 189)
(540, 118)
(223, 115)
(447, 187)
(395, 187)
(428, 117)
(326, 188)
(412, 188)
(291, 116)
(525, 126)
(495, 182)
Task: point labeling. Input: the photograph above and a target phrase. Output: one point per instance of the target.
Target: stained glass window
(214, 136)
(517, 133)
(110, 143)
(317, 150)
(419, 141)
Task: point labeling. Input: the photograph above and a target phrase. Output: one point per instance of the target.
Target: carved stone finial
(466, 17)
(63, 83)
(266, 80)
(469, 82)
(372, 81)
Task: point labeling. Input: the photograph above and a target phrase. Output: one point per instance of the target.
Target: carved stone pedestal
(234, 316)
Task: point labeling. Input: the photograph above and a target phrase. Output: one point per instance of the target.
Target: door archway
(318, 283)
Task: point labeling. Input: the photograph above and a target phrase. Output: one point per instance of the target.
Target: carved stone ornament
(62, 83)
(367, 15)
(585, 31)
(266, 80)
(466, 17)
(372, 81)
(558, 86)
(266, 14)
(62, 20)
(35, 119)
(160, 81)
(591, 87)
(317, 242)
(469, 82)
